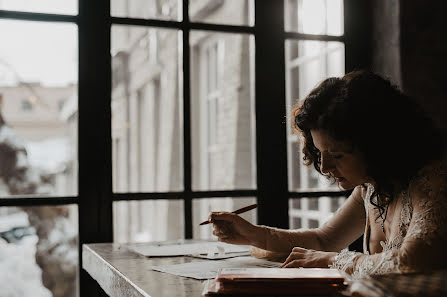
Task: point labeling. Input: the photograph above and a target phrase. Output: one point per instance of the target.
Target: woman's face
(337, 159)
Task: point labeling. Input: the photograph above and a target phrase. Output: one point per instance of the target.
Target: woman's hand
(231, 228)
(300, 257)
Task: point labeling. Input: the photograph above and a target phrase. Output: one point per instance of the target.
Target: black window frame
(95, 190)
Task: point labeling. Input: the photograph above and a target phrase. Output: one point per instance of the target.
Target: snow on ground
(50, 154)
(19, 274)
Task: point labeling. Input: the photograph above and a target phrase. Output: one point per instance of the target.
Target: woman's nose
(326, 165)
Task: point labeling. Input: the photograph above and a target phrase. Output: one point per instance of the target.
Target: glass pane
(38, 109)
(296, 223)
(312, 203)
(322, 17)
(336, 203)
(227, 12)
(312, 212)
(307, 64)
(148, 220)
(201, 208)
(147, 131)
(69, 7)
(147, 9)
(313, 223)
(222, 108)
(39, 251)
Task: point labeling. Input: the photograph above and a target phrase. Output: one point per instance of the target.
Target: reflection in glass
(146, 110)
(38, 109)
(312, 212)
(201, 208)
(307, 64)
(227, 12)
(148, 220)
(69, 7)
(321, 17)
(222, 121)
(146, 9)
(39, 251)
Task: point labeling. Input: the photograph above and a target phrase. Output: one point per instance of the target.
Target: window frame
(95, 190)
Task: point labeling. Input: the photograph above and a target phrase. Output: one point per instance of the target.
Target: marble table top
(121, 272)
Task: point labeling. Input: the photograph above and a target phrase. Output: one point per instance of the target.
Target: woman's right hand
(231, 228)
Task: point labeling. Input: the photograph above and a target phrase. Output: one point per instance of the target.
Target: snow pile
(49, 155)
(19, 274)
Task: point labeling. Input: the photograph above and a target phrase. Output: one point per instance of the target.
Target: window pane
(38, 109)
(228, 12)
(148, 220)
(312, 212)
(307, 64)
(201, 208)
(146, 9)
(322, 17)
(336, 203)
(312, 203)
(313, 223)
(44, 6)
(39, 251)
(296, 223)
(222, 108)
(147, 132)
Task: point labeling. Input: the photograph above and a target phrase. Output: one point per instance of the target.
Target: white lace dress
(415, 235)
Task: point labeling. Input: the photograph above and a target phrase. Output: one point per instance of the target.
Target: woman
(366, 135)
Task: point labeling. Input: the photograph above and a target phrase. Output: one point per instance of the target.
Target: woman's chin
(344, 184)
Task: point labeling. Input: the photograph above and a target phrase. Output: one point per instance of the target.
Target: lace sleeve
(422, 248)
(424, 245)
(344, 260)
(346, 225)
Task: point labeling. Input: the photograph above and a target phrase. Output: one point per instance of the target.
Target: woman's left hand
(300, 257)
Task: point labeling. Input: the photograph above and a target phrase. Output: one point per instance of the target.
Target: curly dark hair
(392, 132)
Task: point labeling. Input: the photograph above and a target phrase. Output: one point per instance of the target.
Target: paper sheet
(208, 250)
(208, 269)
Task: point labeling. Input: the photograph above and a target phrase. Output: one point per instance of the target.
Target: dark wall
(424, 54)
(386, 39)
(410, 47)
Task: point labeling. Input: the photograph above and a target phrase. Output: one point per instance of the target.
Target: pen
(237, 211)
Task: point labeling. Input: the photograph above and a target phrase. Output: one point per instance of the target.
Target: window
(171, 109)
(308, 62)
(212, 59)
(313, 212)
(38, 152)
(222, 111)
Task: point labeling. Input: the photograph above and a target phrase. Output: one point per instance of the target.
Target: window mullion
(270, 109)
(95, 147)
(187, 169)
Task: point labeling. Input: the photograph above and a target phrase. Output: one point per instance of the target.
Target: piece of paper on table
(207, 250)
(208, 269)
(226, 255)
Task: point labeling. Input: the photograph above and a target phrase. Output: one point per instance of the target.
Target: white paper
(221, 256)
(208, 250)
(208, 269)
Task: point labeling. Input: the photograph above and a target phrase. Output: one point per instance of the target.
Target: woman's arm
(347, 224)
